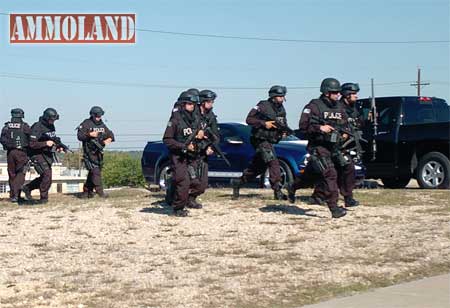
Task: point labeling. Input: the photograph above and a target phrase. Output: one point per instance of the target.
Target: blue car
(235, 144)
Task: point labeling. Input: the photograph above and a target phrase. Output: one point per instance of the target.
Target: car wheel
(433, 171)
(396, 182)
(163, 175)
(286, 176)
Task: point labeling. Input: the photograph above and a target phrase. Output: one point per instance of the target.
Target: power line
(129, 84)
(256, 38)
(164, 86)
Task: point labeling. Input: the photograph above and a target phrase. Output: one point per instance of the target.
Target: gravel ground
(126, 251)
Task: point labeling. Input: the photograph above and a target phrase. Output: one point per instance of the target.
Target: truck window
(441, 110)
(417, 112)
(388, 110)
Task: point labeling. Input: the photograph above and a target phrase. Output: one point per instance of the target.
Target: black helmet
(96, 111)
(50, 114)
(193, 91)
(330, 85)
(349, 88)
(207, 95)
(17, 113)
(186, 97)
(277, 91)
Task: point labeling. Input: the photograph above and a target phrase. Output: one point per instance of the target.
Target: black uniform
(15, 140)
(354, 116)
(93, 153)
(42, 156)
(186, 171)
(262, 139)
(208, 122)
(326, 156)
(170, 186)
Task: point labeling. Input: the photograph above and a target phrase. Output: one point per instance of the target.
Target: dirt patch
(126, 251)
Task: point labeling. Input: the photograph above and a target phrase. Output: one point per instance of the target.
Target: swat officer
(94, 135)
(321, 147)
(265, 132)
(346, 175)
(208, 123)
(43, 146)
(348, 101)
(177, 106)
(181, 134)
(15, 139)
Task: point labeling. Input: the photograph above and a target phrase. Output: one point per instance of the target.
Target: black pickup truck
(412, 141)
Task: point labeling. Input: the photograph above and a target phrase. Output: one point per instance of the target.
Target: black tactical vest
(43, 131)
(92, 126)
(185, 126)
(272, 113)
(334, 115)
(351, 111)
(15, 137)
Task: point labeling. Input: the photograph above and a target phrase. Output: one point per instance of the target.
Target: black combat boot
(337, 212)
(26, 190)
(291, 193)
(278, 194)
(101, 193)
(315, 200)
(180, 213)
(193, 204)
(349, 202)
(236, 184)
(86, 194)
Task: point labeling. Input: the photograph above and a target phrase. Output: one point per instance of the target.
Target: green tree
(122, 169)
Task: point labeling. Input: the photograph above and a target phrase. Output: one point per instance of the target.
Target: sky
(239, 71)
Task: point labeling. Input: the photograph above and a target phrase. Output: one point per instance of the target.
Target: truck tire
(396, 182)
(433, 171)
(163, 175)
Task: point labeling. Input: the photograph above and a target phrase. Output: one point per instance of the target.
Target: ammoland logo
(72, 28)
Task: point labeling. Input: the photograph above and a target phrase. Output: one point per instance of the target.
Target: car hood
(297, 145)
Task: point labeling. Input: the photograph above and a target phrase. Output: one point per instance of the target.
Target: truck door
(388, 119)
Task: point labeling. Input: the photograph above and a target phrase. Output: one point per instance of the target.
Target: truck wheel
(433, 171)
(163, 175)
(396, 182)
(286, 176)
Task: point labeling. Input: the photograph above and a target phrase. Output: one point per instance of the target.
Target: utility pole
(419, 83)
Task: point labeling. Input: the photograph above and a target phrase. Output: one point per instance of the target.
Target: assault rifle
(280, 125)
(336, 138)
(96, 145)
(213, 142)
(59, 145)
